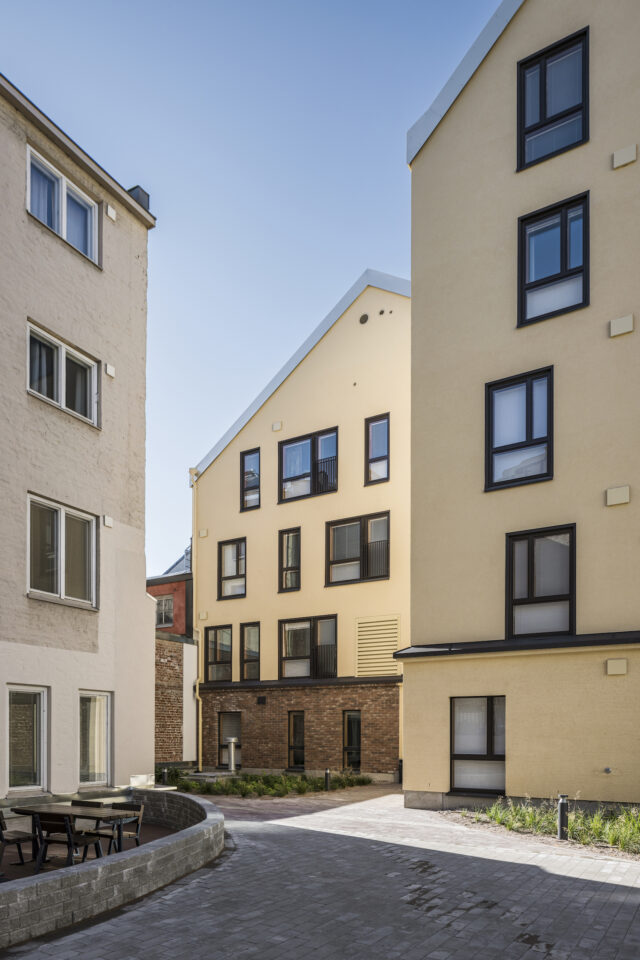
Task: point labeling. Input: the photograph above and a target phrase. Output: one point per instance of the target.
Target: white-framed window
(61, 375)
(61, 552)
(164, 611)
(62, 206)
(95, 737)
(27, 738)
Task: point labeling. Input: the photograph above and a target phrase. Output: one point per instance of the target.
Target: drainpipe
(193, 476)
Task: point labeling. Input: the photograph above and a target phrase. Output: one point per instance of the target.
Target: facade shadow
(287, 890)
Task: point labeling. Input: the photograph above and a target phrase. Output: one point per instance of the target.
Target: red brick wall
(179, 603)
(264, 731)
(169, 700)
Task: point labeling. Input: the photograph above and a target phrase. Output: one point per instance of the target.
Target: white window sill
(58, 406)
(30, 792)
(63, 601)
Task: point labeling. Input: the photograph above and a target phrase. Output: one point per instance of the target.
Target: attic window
(553, 87)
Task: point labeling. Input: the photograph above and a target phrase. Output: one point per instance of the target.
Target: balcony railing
(325, 661)
(326, 475)
(375, 559)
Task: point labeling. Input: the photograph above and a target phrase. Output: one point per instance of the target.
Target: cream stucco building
(523, 675)
(301, 551)
(76, 625)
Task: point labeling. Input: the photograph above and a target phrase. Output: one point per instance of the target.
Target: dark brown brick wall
(264, 731)
(169, 700)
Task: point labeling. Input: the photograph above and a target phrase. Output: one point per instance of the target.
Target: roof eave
(40, 120)
(422, 129)
(370, 278)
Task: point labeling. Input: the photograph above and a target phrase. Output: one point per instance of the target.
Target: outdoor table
(97, 813)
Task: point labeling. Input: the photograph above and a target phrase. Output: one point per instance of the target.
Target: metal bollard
(165, 777)
(327, 778)
(232, 753)
(563, 817)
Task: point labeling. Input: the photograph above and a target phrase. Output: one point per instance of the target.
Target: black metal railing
(325, 476)
(325, 661)
(375, 560)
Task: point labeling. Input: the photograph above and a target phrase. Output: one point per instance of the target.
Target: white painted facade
(94, 309)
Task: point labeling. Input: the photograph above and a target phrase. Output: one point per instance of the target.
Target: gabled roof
(182, 564)
(370, 278)
(422, 129)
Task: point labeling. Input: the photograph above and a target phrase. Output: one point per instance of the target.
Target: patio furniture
(72, 810)
(132, 814)
(133, 831)
(57, 828)
(87, 803)
(15, 838)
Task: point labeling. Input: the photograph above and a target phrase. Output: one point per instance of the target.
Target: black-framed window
(296, 740)
(478, 744)
(250, 651)
(541, 582)
(218, 653)
(357, 549)
(351, 739)
(553, 260)
(519, 429)
(289, 559)
(553, 100)
(229, 725)
(308, 647)
(376, 449)
(250, 479)
(232, 569)
(308, 466)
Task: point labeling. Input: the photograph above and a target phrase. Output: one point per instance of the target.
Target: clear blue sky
(271, 137)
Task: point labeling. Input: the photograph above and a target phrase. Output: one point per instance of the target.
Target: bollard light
(231, 741)
(165, 776)
(327, 778)
(563, 817)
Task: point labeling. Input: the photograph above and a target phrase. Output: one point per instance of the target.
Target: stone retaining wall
(35, 905)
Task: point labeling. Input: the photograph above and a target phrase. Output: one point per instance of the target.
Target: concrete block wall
(36, 905)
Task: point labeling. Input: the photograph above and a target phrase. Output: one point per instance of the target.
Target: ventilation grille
(377, 642)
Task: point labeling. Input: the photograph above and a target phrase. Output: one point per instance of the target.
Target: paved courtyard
(319, 879)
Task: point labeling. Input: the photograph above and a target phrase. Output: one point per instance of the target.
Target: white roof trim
(422, 129)
(370, 278)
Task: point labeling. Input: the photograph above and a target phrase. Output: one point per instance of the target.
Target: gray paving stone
(373, 881)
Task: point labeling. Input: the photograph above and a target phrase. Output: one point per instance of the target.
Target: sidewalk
(370, 880)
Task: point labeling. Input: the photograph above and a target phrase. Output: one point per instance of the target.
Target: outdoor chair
(56, 828)
(89, 824)
(132, 832)
(14, 838)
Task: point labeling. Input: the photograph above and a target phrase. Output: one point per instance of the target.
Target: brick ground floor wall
(169, 700)
(265, 726)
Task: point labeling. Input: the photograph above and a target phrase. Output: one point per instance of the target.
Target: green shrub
(271, 784)
(174, 775)
(617, 827)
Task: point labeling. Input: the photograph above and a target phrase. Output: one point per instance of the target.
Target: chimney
(140, 196)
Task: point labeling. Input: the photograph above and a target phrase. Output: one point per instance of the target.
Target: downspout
(193, 476)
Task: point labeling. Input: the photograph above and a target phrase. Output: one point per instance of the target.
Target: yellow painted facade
(566, 719)
(356, 370)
